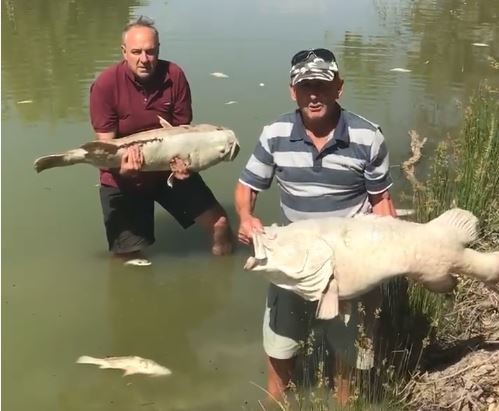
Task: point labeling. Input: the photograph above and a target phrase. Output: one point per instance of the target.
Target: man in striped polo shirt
(327, 162)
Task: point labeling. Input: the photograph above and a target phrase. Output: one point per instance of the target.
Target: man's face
(140, 49)
(316, 98)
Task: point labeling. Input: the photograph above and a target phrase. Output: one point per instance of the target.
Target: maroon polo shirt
(119, 103)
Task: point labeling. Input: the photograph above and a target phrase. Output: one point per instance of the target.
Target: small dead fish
(400, 70)
(25, 102)
(262, 84)
(230, 102)
(131, 365)
(219, 75)
(480, 44)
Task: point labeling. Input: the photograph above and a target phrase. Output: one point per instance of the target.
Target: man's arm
(104, 117)
(382, 204)
(132, 160)
(378, 178)
(105, 136)
(182, 106)
(245, 200)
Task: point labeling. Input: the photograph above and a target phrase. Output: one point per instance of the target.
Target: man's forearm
(382, 204)
(245, 200)
(105, 136)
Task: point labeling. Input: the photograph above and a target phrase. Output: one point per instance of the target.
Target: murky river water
(199, 316)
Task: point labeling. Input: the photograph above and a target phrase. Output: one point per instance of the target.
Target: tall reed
(464, 173)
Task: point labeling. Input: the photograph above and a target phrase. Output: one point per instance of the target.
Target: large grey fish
(334, 259)
(131, 365)
(199, 147)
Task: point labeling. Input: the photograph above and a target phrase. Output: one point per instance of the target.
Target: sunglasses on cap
(305, 55)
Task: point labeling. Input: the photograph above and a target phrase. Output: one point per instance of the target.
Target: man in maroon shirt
(127, 98)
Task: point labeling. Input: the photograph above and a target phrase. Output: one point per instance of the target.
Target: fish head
(214, 144)
(150, 367)
(159, 371)
(227, 144)
(289, 256)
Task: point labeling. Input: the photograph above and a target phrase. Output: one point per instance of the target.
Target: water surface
(199, 316)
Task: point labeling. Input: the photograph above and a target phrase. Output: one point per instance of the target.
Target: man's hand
(132, 161)
(179, 169)
(247, 225)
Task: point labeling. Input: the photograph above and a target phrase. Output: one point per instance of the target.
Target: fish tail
(465, 224)
(481, 266)
(85, 359)
(60, 160)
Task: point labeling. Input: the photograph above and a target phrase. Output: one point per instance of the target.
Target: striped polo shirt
(314, 184)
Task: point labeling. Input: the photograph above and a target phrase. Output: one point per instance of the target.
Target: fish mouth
(234, 151)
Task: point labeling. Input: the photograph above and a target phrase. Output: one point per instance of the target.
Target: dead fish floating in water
(480, 44)
(400, 70)
(219, 75)
(199, 147)
(131, 365)
(332, 259)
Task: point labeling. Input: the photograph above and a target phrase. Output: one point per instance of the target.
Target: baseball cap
(315, 64)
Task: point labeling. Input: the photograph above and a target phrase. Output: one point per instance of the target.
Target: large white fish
(334, 259)
(131, 365)
(199, 147)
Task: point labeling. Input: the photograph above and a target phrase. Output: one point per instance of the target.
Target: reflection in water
(445, 52)
(51, 47)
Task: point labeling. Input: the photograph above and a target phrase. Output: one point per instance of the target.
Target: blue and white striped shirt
(333, 182)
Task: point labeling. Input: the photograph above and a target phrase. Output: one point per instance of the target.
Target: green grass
(463, 173)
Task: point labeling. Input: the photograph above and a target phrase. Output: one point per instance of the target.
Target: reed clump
(465, 325)
(463, 173)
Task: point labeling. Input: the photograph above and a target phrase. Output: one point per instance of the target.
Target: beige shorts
(289, 321)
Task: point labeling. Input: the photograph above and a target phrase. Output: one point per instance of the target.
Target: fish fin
(93, 146)
(444, 284)
(465, 224)
(250, 263)
(60, 160)
(258, 245)
(170, 179)
(129, 372)
(328, 306)
(164, 123)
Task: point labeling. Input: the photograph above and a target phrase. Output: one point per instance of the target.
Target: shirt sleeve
(182, 106)
(103, 114)
(377, 172)
(260, 169)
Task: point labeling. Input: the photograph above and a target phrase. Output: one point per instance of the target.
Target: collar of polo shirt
(340, 132)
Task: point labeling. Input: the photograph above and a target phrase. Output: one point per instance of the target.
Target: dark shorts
(129, 213)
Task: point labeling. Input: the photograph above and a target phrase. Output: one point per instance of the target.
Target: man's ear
(123, 49)
(292, 93)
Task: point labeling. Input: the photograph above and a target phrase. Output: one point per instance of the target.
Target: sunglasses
(305, 55)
